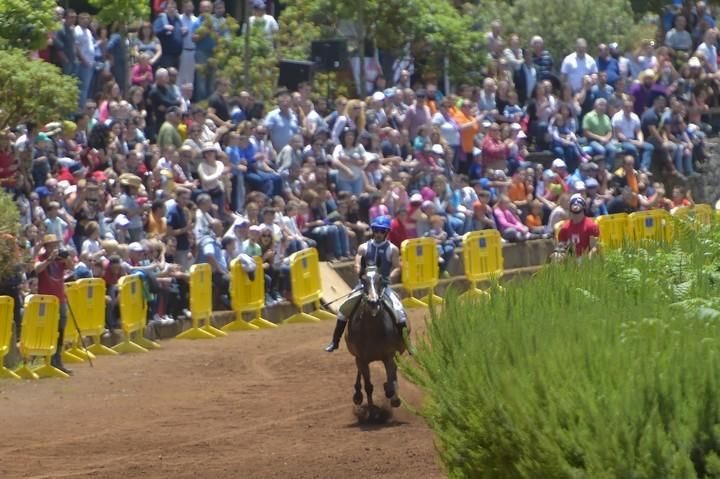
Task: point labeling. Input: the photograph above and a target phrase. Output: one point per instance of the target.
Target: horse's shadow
(375, 418)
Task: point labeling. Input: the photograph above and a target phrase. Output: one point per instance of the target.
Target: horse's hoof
(357, 399)
(389, 390)
(395, 402)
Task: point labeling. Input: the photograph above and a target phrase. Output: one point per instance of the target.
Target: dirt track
(267, 404)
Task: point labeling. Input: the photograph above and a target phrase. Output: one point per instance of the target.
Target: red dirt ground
(266, 404)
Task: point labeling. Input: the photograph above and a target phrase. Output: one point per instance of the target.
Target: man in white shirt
(628, 132)
(576, 65)
(270, 26)
(187, 57)
(709, 50)
(85, 44)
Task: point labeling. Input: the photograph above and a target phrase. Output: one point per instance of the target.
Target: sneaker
(167, 320)
(269, 300)
(186, 312)
(278, 297)
(156, 320)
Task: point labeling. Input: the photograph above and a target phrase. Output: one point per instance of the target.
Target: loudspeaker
(329, 55)
(293, 72)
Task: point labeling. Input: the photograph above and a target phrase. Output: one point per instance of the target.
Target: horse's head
(371, 288)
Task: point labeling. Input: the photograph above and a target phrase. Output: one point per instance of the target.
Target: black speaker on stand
(329, 56)
(294, 72)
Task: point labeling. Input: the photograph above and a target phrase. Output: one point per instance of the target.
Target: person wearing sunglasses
(386, 256)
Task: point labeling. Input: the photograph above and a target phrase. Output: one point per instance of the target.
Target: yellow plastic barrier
(201, 304)
(86, 300)
(420, 270)
(7, 313)
(651, 225)
(39, 335)
(482, 258)
(86, 305)
(613, 230)
(306, 288)
(133, 314)
(247, 297)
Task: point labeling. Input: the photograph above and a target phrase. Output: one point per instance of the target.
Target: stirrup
(331, 347)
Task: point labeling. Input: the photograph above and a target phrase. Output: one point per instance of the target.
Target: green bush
(604, 369)
(9, 229)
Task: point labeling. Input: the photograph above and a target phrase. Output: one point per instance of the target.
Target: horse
(374, 336)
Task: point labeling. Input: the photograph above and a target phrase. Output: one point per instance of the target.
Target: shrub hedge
(603, 369)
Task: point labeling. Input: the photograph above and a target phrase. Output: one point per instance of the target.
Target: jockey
(381, 252)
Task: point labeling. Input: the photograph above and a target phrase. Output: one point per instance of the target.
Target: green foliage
(25, 24)
(604, 369)
(9, 229)
(121, 11)
(33, 89)
(229, 56)
(560, 22)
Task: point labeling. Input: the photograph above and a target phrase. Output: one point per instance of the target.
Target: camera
(63, 253)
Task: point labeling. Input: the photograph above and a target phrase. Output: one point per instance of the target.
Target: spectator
(269, 24)
(186, 71)
(50, 267)
(85, 48)
(169, 29)
(678, 37)
(577, 65)
(598, 130)
(281, 123)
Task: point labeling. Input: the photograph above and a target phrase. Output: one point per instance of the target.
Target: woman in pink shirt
(508, 222)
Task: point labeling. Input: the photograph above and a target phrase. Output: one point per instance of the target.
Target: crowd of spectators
(167, 164)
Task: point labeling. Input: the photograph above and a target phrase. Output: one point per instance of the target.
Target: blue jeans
(336, 236)
(268, 183)
(85, 74)
(445, 251)
(237, 199)
(355, 187)
(683, 162)
(608, 151)
(568, 153)
(641, 162)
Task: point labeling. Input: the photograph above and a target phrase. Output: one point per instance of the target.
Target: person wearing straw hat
(50, 267)
(130, 185)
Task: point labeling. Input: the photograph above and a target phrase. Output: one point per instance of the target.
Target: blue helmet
(381, 223)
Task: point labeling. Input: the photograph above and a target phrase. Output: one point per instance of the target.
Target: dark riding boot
(337, 334)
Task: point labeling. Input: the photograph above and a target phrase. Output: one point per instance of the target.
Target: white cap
(558, 163)
(255, 228)
(121, 221)
(515, 126)
(136, 247)
(694, 62)
(378, 96)
(579, 186)
(416, 198)
(438, 149)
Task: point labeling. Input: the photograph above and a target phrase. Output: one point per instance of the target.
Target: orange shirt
(156, 228)
(517, 191)
(468, 134)
(533, 221)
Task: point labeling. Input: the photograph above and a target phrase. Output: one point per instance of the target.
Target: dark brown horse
(374, 336)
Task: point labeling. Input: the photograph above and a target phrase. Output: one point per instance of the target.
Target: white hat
(579, 186)
(121, 221)
(416, 198)
(255, 228)
(521, 135)
(558, 163)
(378, 96)
(438, 149)
(209, 147)
(515, 126)
(136, 247)
(694, 62)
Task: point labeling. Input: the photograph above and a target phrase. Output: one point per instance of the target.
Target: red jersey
(51, 280)
(579, 234)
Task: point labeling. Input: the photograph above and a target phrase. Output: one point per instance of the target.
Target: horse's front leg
(364, 368)
(357, 397)
(391, 386)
